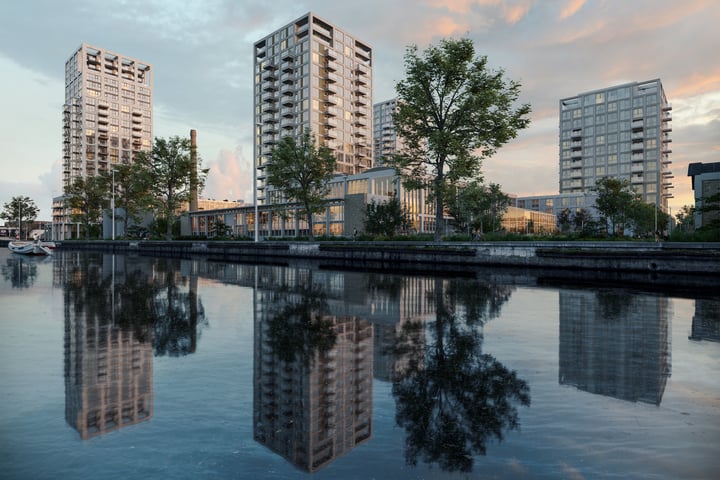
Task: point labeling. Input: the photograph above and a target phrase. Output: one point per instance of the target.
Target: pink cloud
(571, 8)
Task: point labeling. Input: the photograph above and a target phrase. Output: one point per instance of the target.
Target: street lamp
(112, 204)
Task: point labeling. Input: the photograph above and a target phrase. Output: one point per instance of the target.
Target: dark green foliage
(168, 169)
(452, 112)
(385, 218)
(301, 170)
(20, 210)
(87, 198)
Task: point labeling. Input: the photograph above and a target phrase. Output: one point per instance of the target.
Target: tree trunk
(439, 201)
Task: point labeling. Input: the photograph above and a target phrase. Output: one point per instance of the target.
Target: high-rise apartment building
(385, 138)
(107, 118)
(621, 132)
(107, 115)
(312, 75)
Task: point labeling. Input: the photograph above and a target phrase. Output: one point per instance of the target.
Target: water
(116, 366)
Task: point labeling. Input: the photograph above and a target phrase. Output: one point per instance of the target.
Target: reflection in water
(20, 271)
(116, 314)
(615, 343)
(451, 398)
(312, 369)
(706, 321)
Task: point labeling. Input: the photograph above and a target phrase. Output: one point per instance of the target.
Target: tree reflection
(21, 273)
(300, 327)
(452, 398)
(178, 315)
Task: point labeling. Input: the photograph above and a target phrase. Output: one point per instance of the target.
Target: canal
(128, 366)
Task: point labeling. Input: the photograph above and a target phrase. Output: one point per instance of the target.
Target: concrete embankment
(656, 258)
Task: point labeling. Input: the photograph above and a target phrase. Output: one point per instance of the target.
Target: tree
(476, 206)
(301, 170)
(132, 192)
(564, 220)
(87, 198)
(686, 218)
(169, 169)
(584, 222)
(385, 218)
(20, 209)
(452, 113)
(614, 202)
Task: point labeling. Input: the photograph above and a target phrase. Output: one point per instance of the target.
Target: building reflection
(119, 312)
(706, 321)
(615, 343)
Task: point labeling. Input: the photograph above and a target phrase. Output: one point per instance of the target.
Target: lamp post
(112, 204)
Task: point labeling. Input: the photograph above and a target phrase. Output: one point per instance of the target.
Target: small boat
(30, 248)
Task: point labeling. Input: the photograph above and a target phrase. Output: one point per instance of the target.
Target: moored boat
(29, 248)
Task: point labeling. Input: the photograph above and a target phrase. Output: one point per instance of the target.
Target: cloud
(572, 7)
(230, 177)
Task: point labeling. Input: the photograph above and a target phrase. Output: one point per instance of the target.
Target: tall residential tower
(312, 75)
(107, 115)
(107, 119)
(621, 132)
(385, 139)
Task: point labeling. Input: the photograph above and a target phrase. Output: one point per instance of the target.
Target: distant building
(107, 119)
(385, 139)
(620, 132)
(312, 75)
(705, 184)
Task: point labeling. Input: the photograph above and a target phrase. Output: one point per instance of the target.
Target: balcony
(269, 118)
(362, 69)
(287, 123)
(268, 97)
(287, 89)
(360, 90)
(288, 77)
(269, 107)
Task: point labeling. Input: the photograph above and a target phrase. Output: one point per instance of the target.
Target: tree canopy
(301, 170)
(20, 209)
(169, 169)
(614, 201)
(453, 111)
(87, 198)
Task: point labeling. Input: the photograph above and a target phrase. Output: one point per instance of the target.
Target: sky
(201, 53)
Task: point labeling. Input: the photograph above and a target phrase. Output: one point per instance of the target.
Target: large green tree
(453, 111)
(614, 202)
(87, 198)
(301, 170)
(169, 168)
(132, 192)
(20, 209)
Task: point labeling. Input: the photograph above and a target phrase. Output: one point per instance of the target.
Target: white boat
(30, 248)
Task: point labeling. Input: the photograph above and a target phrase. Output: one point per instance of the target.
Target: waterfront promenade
(632, 257)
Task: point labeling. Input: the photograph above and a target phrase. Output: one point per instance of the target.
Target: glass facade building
(620, 132)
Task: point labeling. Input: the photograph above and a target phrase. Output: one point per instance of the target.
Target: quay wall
(661, 257)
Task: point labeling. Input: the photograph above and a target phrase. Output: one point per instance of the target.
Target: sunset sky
(201, 52)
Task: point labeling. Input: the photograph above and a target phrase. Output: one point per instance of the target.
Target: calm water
(116, 366)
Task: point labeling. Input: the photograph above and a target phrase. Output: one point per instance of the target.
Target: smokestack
(193, 174)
